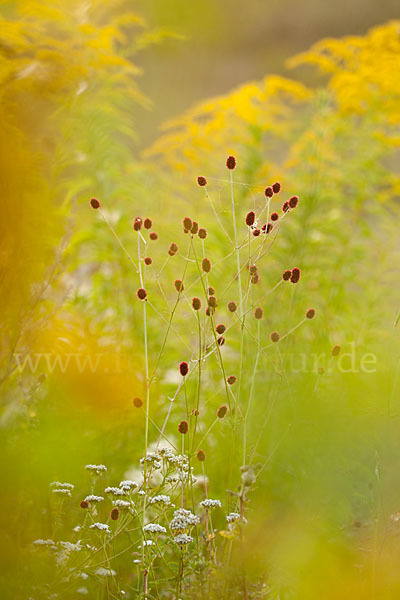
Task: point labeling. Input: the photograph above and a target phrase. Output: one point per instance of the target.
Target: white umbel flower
(59, 485)
(208, 504)
(62, 492)
(183, 538)
(161, 499)
(96, 469)
(101, 527)
(123, 504)
(115, 491)
(93, 498)
(154, 528)
(183, 519)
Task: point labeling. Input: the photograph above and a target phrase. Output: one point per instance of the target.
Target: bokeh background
(129, 102)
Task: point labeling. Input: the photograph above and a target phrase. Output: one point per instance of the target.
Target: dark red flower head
(137, 224)
(269, 228)
(212, 301)
(256, 232)
(173, 249)
(183, 368)
(148, 261)
(201, 455)
(295, 275)
(202, 233)
(231, 380)
(221, 412)
(187, 224)
(285, 207)
(141, 294)
(153, 236)
(293, 201)
(137, 402)
(196, 303)
(195, 227)
(310, 313)
(258, 313)
(220, 328)
(286, 275)
(147, 223)
(211, 291)
(183, 427)
(179, 285)
(275, 337)
(202, 181)
(94, 203)
(335, 350)
(84, 504)
(250, 218)
(276, 187)
(269, 192)
(274, 216)
(114, 514)
(232, 306)
(230, 162)
(206, 265)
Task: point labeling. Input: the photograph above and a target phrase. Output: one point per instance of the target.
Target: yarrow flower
(161, 499)
(100, 527)
(123, 504)
(115, 491)
(94, 499)
(62, 492)
(128, 484)
(210, 504)
(232, 517)
(183, 519)
(154, 528)
(58, 485)
(183, 538)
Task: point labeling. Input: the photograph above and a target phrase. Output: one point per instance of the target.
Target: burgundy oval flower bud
(179, 285)
(250, 218)
(84, 504)
(253, 269)
(137, 224)
(286, 275)
(231, 162)
(173, 249)
(212, 301)
(202, 233)
(221, 340)
(295, 275)
(268, 228)
(285, 207)
(255, 278)
(222, 410)
(196, 303)
(94, 203)
(141, 294)
(259, 313)
(335, 350)
(220, 328)
(276, 187)
(183, 368)
(201, 455)
(264, 228)
(148, 261)
(202, 181)
(206, 265)
(147, 223)
(231, 380)
(208, 311)
(187, 224)
(232, 306)
(269, 192)
(211, 291)
(275, 337)
(183, 427)
(256, 232)
(293, 201)
(274, 216)
(114, 514)
(153, 236)
(310, 313)
(194, 228)
(137, 402)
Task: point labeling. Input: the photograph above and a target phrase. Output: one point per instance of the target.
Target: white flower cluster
(115, 491)
(208, 503)
(123, 504)
(64, 486)
(232, 517)
(161, 499)
(101, 527)
(62, 492)
(183, 538)
(93, 498)
(153, 458)
(103, 572)
(96, 469)
(154, 528)
(48, 543)
(127, 484)
(183, 520)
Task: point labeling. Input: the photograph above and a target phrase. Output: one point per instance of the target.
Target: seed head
(275, 337)
(335, 350)
(221, 412)
(221, 340)
(276, 187)
(187, 224)
(137, 224)
(310, 313)
(173, 249)
(137, 402)
(202, 181)
(183, 427)
(220, 328)
(195, 228)
(183, 368)
(201, 455)
(295, 275)
(84, 504)
(285, 207)
(293, 201)
(256, 232)
(269, 228)
(231, 162)
(202, 233)
(231, 380)
(206, 265)
(147, 223)
(250, 218)
(179, 285)
(274, 216)
(153, 236)
(212, 301)
(269, 192)
(141, 294)
(114, 514)
(259, 313)
(253, 269)
(148, 260)
(211, 291)
(255, 278)
(232, 306)
(196, 303)
(286, 275)
(94, 203)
